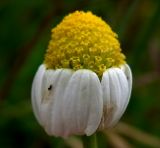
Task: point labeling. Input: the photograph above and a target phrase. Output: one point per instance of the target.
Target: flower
(84, 83)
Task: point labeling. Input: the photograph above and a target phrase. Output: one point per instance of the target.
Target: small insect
(50, 87)
(47, 94)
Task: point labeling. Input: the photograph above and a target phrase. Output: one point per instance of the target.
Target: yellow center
(83, 41)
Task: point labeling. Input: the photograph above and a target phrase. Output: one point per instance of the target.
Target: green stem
(90, 142)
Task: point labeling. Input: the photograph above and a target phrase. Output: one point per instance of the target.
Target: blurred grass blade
(74, 142)
(138, 135)
(126, 19)
(144, 35)
(116, 140)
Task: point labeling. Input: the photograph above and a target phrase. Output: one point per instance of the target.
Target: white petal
(57, 121)
(54, 84)
(115, 95)
(128, 74)
(50, 81)
(36, 91)
(83, 104)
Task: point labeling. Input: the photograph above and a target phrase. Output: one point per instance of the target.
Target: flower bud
(84, 83)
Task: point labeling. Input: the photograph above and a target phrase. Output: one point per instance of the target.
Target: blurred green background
(24, 34)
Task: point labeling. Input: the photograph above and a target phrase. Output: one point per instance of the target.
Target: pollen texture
(83, 41)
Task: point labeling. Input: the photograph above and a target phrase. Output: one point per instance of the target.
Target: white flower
(67, 102)
(84, 83)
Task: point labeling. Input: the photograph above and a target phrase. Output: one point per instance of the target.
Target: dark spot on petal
(50, 87)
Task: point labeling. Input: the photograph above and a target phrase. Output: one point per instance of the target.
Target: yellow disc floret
(83, 41)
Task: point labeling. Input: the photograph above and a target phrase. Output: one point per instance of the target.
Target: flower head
(83, 41)
(84, 83)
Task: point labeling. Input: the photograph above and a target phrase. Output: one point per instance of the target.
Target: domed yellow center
(83, 41)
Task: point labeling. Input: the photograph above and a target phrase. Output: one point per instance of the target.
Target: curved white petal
(127, 71)
(128, 74)
(83, 104)
(36, 90)
(116, 90)
(53, 88)
(47, 93)
(56, 109)
(50, 81)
